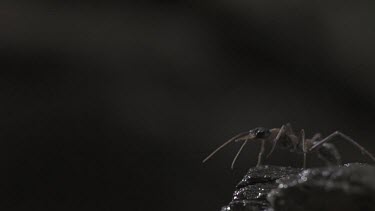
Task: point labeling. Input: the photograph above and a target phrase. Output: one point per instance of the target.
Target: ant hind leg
(304, 147)
(338, 133)
(329, 154)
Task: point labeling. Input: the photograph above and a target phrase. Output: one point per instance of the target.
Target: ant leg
(303, 147)
(329, 154)
(316, 137)
(260, 155)
(226, 143)
(281, 131)
(338, 133)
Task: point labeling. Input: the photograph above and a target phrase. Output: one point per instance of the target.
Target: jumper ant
(287, 139)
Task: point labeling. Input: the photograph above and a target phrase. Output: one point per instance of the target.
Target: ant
(287, 139)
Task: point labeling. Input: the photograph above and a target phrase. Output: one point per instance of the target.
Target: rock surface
(347, 187)
(251, 192)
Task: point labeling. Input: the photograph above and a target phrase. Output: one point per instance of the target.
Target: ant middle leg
(306, 143)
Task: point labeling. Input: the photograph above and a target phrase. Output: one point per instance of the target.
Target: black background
(113, 105)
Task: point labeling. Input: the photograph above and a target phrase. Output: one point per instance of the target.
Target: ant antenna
(238, 153)
(226, 143)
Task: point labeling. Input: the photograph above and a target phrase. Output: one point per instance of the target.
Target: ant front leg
(280, 132)
(260, 155)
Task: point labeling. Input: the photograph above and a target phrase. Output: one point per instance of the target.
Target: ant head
(261, 132)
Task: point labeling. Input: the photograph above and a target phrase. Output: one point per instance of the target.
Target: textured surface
(251, 192)
(347, 187)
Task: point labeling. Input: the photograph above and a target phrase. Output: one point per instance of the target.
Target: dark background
(113, 105)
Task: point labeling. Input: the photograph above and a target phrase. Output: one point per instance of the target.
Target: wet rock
(245, 205)
(348, 187)
(266, 174)
(251, 192)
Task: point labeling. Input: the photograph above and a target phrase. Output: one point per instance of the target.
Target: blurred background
(113, 105)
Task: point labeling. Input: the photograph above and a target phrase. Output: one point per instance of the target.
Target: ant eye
(260, 134)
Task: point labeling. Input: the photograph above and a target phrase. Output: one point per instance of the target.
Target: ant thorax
(290, 142)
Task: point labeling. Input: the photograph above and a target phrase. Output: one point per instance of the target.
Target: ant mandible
(287, 139)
